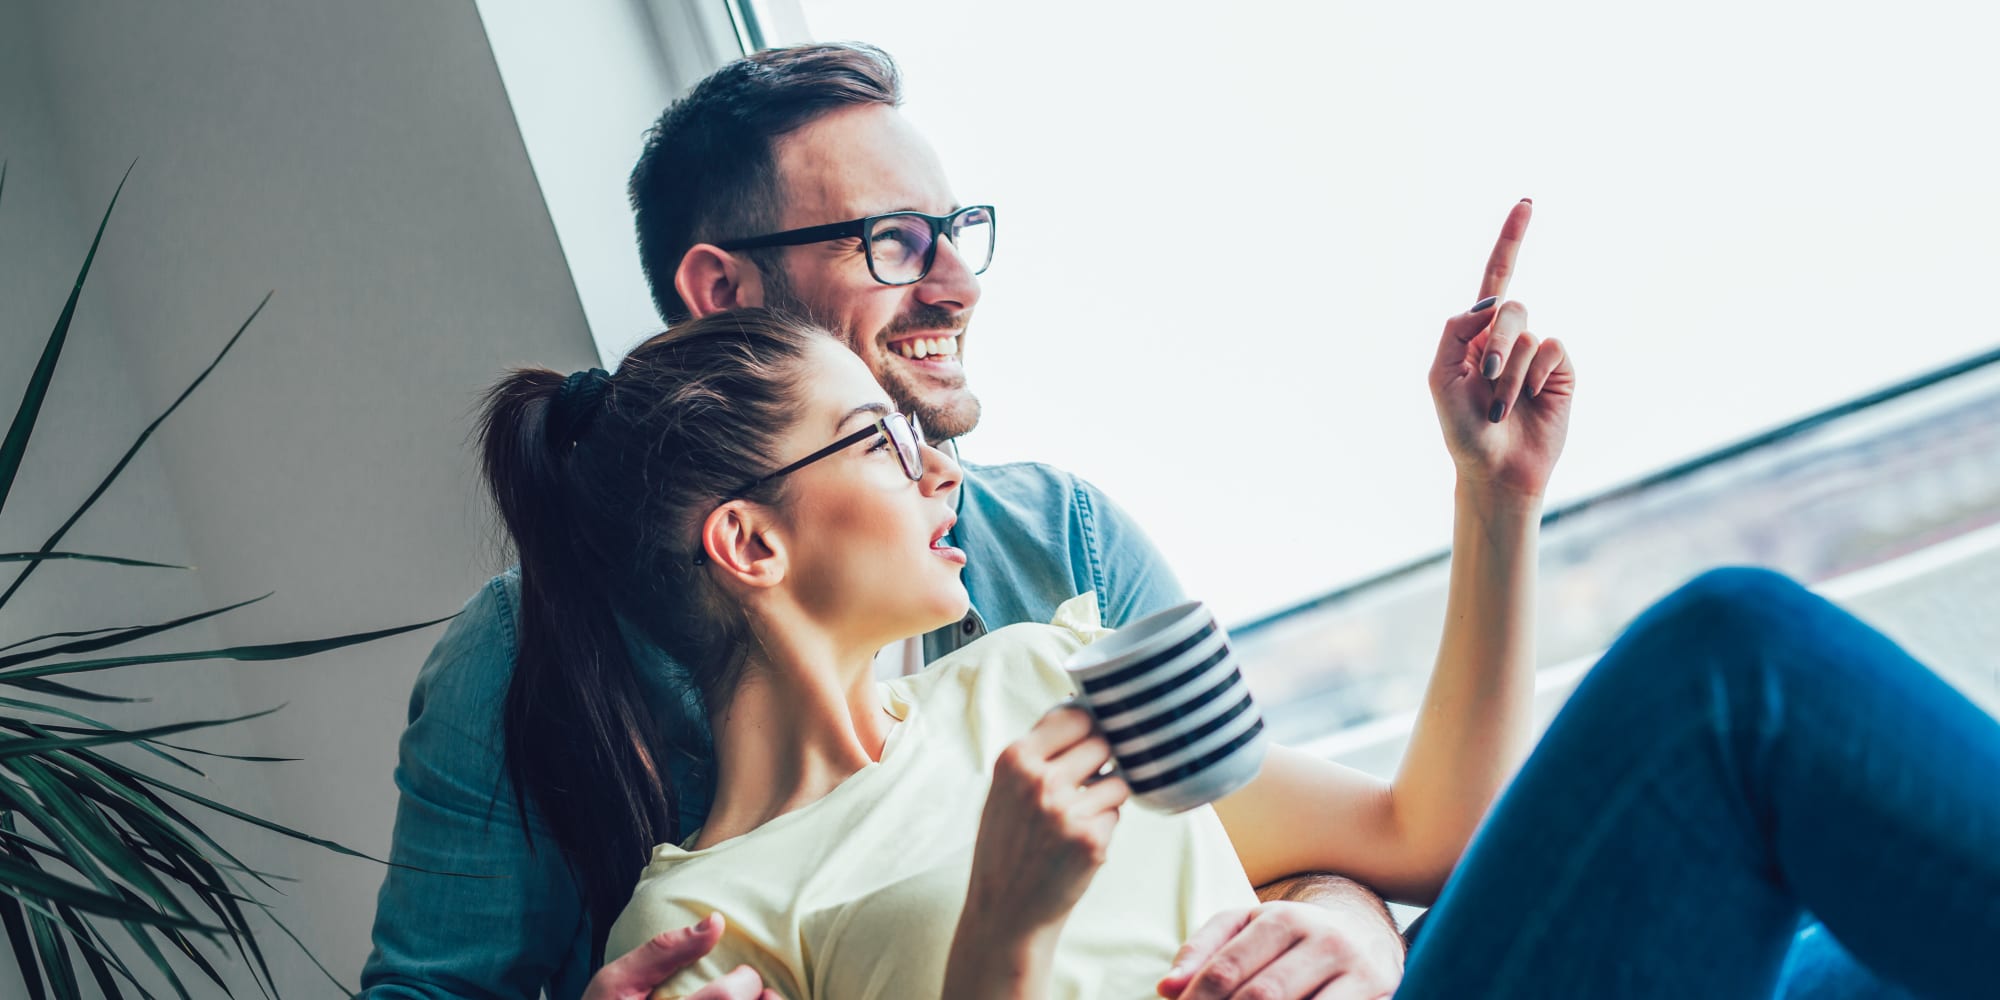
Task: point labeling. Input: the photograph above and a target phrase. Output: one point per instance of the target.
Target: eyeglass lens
(900, 245)
(906, 434)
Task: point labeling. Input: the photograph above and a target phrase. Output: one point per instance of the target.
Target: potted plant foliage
(106, 867)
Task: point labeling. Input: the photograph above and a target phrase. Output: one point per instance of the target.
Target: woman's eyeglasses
(904, 434)
(901, 246)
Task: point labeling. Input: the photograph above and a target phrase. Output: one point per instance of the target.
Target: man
(768, 185)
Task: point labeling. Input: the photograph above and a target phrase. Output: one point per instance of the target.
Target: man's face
(867, 160)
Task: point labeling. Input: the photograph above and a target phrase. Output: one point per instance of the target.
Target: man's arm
(519, 926)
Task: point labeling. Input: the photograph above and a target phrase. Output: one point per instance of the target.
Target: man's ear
(739, 539)
(711, 280)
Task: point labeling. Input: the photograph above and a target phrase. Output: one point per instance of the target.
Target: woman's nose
(941, 471)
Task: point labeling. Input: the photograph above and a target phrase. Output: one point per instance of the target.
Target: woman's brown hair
(602, 482)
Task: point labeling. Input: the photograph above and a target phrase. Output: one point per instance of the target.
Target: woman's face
(866, 555)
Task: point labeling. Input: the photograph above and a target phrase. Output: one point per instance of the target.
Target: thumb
(636, 972)
(1200, 948)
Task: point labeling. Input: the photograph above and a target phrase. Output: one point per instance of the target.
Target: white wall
(361, 160)
(585, 81)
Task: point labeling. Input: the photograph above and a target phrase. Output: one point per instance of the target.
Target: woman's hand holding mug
(1045, 831)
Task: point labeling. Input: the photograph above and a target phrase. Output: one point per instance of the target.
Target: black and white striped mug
(1166, 693)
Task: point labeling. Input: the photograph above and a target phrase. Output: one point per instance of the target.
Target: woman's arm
(1044, 833)
(1303, 813)
(1503, 401)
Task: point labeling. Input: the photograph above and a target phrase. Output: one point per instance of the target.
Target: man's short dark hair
(709, 170)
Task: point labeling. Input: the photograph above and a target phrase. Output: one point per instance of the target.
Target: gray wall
(361, 160)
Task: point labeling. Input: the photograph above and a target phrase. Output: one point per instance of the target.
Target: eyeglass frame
(880, 425)
(859, 229)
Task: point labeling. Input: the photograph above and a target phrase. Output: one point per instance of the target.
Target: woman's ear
(710, 280)
(738, 538)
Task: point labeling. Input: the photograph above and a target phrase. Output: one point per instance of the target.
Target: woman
(742, 494)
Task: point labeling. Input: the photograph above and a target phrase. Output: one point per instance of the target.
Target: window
(1263, 213)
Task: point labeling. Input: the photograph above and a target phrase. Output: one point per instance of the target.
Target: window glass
(1230, 233)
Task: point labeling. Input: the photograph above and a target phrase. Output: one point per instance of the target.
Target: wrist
(1498, 498)
(992, 961)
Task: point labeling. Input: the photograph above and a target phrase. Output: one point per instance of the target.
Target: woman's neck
(805, 717)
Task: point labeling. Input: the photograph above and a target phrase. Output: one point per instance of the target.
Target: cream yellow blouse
(856, 896)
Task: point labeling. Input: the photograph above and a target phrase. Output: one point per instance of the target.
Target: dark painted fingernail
(1527, 201)
(1490, 367)
(1484, 304)
(1499, 410)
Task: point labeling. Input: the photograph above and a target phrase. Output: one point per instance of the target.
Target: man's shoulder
(1031, 490)
(473, 662)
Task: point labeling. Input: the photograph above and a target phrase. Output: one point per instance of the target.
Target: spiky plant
(101, 867)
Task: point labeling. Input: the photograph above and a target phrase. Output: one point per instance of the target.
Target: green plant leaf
(88, 721)
(30, 884)
(7, 557)
(67, 691)
(55, 958)
(86, 826)
(122, 636)
(44, 637)
(16, 444)
(11, 748)
(50, 544)
(130, 785)
(208, 887)
(253, 820)
(14, 919)
(263, 651)
(328, 973)
(109, 899)
(99, 971)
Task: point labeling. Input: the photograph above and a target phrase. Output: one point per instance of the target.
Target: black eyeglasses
(901, 246)
(901, 432)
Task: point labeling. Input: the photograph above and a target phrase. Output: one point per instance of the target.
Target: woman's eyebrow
(877, 409)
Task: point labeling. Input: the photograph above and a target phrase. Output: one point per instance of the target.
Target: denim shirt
(1033, 536)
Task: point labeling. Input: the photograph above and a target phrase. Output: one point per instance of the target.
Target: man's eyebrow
(955, 206)
(878, 409)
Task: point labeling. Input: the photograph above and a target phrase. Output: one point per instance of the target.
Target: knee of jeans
(1736, 608)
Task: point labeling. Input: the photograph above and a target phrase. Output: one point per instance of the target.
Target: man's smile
(942, 346)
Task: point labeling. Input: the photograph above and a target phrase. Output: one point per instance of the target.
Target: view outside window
(1229, 234)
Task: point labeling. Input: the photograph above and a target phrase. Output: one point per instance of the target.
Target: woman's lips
(938, 544)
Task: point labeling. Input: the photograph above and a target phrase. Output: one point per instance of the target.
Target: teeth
(924, 347)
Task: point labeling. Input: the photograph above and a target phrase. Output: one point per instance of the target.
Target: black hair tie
(576, 404)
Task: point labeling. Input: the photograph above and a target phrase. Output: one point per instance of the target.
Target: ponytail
(600, 481)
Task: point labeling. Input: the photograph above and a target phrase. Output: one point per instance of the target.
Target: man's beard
(940, 422)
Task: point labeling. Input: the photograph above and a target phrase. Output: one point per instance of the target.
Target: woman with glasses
(742, 494)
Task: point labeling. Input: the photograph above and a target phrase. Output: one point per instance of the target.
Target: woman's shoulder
(1011, 673)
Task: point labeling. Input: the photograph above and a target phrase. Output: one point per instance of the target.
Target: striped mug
(1166, 693)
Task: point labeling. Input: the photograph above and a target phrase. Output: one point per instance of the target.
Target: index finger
(1200, 948)
(1500, 265)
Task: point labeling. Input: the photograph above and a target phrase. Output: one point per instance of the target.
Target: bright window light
(1231, 232)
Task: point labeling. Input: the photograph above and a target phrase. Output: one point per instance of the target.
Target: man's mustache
(926, 319)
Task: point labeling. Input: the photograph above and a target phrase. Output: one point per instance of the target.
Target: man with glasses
(789, 180)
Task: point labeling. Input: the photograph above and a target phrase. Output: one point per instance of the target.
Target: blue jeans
(1748, 774)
